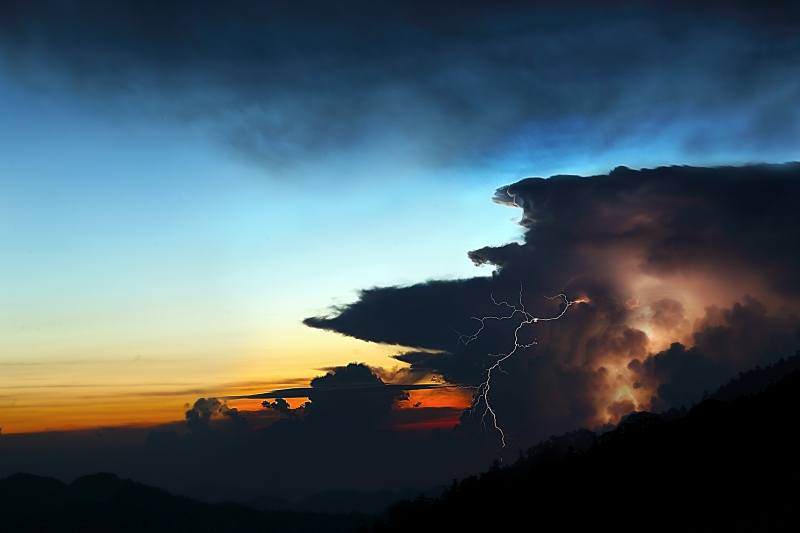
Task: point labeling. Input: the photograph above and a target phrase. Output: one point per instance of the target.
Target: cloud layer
(450, 83)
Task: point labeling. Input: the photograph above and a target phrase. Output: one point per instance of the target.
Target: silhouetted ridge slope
(758, 379)
(725, 465)
(103, 502)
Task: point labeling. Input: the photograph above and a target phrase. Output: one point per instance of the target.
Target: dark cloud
(447, 82)
(355, 377)
(704, 257)
(204, 410)
(279, 405)
(420, 316)
(351, 398)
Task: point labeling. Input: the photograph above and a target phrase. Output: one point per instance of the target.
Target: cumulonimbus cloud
(691, 273)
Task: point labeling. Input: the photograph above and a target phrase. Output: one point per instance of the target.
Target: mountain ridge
(728, 463)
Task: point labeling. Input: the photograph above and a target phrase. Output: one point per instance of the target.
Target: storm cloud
(691, 273)
(350, 398)
(448, 83)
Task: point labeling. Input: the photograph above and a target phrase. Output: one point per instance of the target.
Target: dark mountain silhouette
(731, 463)
(106, 503)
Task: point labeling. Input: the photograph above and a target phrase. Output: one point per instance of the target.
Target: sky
(205, 201)
(140, 257)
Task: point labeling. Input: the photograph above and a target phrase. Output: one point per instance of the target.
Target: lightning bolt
(513, 310)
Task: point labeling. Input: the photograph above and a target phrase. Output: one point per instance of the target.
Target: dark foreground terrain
(731, 463)
(106, 503)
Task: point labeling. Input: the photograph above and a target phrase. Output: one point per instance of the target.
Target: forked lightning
(515, 310)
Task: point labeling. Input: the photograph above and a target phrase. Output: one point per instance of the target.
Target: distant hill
(106, 503)
(731, 463)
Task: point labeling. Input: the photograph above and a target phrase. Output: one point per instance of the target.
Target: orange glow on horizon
(454, 397)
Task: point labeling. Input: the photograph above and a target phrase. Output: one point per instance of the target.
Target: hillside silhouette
(728, 464)
(106, 503)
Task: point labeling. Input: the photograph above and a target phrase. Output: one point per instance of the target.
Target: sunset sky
(168, 220)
